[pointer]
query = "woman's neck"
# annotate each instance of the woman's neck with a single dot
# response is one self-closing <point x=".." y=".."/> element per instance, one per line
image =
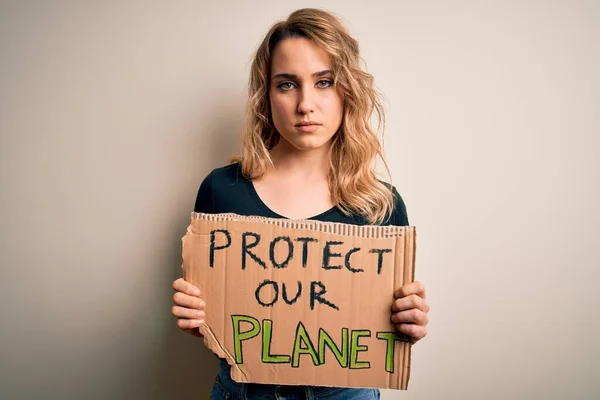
<point x="302" y="163"/>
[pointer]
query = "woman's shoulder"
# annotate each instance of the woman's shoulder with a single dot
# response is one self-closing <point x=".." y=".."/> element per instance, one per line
<point x="225" y="181"/>
<point x="399" y="215"/>
<point x="225" y="175"/>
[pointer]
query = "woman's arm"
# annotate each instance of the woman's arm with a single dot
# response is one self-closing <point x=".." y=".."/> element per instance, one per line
<point x="410" y="308"/>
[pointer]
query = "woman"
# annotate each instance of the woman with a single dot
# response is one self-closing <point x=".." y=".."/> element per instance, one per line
<point x="307" y="153"/>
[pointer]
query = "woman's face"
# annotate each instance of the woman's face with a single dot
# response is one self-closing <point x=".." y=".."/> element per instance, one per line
<point x="301" y="90"/>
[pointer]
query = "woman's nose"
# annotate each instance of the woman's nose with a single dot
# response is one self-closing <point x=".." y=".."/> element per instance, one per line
<point x="306" y="101"/>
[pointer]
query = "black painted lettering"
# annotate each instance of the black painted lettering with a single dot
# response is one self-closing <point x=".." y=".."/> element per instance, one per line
<point x="285" y="296"/>
<point x="214" y="247"/>
<point x="347" y="260"/>
<point x="275" y="293"/>
<point x="290" y="251"/>
<point x="305" y="241"/>
<point x="327" y="254"/>
<point x="246" y="249"/>
<point x="317" y="289"/>
<point x="380" y="253"/>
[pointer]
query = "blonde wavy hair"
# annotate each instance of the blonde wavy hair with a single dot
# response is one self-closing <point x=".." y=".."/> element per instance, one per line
<point x="352" y="181"/>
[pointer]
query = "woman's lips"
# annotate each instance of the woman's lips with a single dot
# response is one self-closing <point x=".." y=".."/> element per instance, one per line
<point x="307" y="128"/>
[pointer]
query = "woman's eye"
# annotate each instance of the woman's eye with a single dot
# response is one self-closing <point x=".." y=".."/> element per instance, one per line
<point x="290" y="85"/>
<point x="285" y="85"/>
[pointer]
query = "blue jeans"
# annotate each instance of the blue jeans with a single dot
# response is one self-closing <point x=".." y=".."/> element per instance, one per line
<point x="224" y="388"/>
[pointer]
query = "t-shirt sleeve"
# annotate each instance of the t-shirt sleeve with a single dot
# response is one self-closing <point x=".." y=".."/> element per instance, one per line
<point x="204" y="199"/>
<point x="399" y="215"/>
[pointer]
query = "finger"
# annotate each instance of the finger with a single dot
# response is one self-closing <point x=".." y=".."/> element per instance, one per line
<point x="408" y="302"/>
<point x="414" y="316"/>
<point x="182" y="286"/>
<point x="182" y="312"/>
<point x="415" y="287"/>
<point x="184" y="300"/>
<point x="185" y="324"/>
<point x="416" y="332"/>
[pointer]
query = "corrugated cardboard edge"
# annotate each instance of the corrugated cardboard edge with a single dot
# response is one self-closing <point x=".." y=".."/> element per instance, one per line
<point x="337" y="228"/>
<point x="410" y="253"/>
<point x="213" y="344"/>
<point x="363" y="231"/>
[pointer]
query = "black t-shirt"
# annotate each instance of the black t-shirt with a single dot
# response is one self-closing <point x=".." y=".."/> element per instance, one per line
<point x="226" y="190"/>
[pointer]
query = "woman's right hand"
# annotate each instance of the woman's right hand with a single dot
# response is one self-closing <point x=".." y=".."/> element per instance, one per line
<point x="188" y="308"/>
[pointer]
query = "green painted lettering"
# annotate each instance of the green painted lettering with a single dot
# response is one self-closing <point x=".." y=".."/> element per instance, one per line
<point x="355" y="348"/>
<point x="340" y="354"/>
<point x="239" y="336"/>
<point x="302" y="337"/>
<point x="267" y="330"/>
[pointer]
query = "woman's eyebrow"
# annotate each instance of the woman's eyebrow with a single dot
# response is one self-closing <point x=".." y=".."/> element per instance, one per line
<point x="287" y="75"/>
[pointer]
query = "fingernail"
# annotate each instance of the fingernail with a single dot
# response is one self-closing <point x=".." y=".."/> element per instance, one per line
<point x="200" y="313"/>
<point x="196" y="292"/>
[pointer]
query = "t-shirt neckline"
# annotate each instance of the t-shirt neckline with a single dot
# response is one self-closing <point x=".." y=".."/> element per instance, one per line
<point x="272" y="214"/>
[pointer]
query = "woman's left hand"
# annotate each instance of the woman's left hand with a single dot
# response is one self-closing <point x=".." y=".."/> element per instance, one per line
<point x="409" y="311"/>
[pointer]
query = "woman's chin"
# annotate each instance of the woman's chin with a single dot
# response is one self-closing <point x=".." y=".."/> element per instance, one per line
<point x="308" y="142"/>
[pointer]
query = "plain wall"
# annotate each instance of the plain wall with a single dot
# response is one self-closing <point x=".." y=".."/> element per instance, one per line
<point x="111" y="114"/>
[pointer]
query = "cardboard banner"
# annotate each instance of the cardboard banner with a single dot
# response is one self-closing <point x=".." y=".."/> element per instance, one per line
<point x="302" y="302"/>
